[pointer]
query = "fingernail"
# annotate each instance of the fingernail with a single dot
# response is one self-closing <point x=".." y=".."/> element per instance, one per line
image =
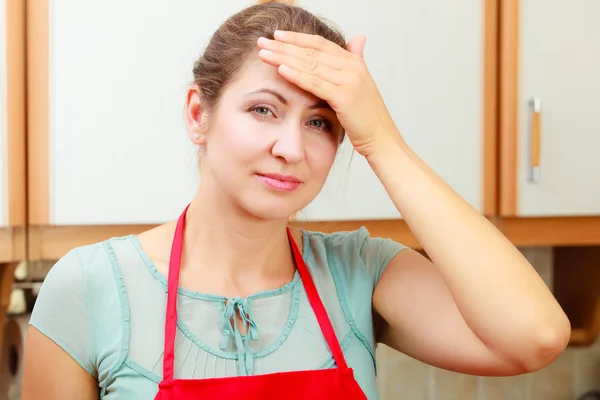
<point x="279" y="33"/>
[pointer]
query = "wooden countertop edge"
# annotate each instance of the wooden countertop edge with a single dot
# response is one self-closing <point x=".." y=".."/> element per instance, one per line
<point x="12" y="245"/>
<point x="552" y="231"/>
<point x="52" y="242"/>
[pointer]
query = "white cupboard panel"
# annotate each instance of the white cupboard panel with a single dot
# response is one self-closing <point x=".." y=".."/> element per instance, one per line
<point x="3" y="120"/>
<point x="559" y="62"/>
<point x="119" y="71"/>
<point x="118" y="75"/>
<point x="427" y="58"/>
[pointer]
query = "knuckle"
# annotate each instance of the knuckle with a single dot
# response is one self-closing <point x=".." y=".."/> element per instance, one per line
<point x="321" y="41"/>
<point x="315" y="82"/>
<point x="311" y="64"/>
<point x="311" y="53"/>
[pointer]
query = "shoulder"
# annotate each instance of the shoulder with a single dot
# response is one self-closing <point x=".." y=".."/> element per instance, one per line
<point x="337" y="238"/>
<point x="70" y="307"/>
<point x="88" y="265"/>
<point x="354" y="249"/>
<point x="85" y="276"/>
<point x="97" y="255"/>
<point x="358" y="241"/>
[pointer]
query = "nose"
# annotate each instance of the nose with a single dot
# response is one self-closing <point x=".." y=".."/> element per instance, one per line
<point x="289" y="145"/>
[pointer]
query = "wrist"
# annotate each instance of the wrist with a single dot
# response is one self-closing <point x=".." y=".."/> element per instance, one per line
<point x="386" y="150"/>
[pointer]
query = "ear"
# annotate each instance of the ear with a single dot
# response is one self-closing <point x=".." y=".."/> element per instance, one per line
<point x="195" y="115"/>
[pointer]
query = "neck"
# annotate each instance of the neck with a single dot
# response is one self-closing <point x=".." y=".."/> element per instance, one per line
<point x="231" y="245"/>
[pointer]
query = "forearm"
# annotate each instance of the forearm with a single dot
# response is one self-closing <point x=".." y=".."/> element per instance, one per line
<point x="500" y="296"/>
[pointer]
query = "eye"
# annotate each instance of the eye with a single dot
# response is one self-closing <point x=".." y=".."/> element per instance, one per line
<point x="262" y="112"/>
<point x="320" y="123"/>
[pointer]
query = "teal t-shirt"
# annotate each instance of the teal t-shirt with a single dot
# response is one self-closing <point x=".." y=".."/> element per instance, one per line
<point x="105" y="305"/>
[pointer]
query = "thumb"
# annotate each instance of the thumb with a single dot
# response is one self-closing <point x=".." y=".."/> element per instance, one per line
<point x="356" y="45"/>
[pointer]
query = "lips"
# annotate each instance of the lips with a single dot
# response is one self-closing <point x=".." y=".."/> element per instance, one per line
<point x="280" y="182"/>
<point x="283" y="178"/>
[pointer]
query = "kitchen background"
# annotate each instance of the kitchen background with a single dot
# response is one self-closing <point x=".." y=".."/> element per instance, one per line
<point x="500" y="97"/>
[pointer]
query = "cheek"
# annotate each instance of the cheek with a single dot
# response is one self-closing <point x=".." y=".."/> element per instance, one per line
<point x="320" y="154"/>
<point x="237" y="140"/>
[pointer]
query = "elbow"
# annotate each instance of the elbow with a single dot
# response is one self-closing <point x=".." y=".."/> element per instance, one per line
<point x="546" y="346"/>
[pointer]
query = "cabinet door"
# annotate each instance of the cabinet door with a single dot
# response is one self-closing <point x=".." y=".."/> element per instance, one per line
<point x="12" y="131"/>
<point x="558" y="64"/>
<point x="427" y="58"/>
<point x="3" y="119"/>
<point x="117" y="76"/>
<point x="117" y="73"/>
<point x="12" y="114"/>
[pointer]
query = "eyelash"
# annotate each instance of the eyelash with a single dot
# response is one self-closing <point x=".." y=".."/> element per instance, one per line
<point x="326" y="124"/>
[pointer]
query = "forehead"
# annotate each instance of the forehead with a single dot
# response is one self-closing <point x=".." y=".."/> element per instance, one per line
<point x="256" y="74"/>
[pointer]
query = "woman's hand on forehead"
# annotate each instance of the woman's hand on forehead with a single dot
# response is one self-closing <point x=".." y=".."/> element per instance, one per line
<point x="340" y="77"/>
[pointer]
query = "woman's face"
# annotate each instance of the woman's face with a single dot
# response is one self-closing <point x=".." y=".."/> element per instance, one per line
<point x="269" y="145"/>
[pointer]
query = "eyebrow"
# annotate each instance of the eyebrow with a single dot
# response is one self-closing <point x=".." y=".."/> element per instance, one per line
<point x="321" y="104"/>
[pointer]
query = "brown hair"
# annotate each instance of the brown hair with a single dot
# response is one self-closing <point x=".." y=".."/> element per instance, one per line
<point x="234" y="42"/>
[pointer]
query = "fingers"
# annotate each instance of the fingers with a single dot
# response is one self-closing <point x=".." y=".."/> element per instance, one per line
<point x="311" y="83"/>
<point x="306" y="65"/>
<point x="356" y="45"/>
<point x="312" y="62"/>
<point x="312" y="41"/>
<point x="306" y="53"/>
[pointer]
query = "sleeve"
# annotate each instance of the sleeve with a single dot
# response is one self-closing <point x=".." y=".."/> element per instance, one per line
<point x="376" y="253"/>
<point x="62" y="313"/>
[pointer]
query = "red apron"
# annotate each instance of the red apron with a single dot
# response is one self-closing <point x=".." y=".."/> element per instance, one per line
<point x="332" y="383"/>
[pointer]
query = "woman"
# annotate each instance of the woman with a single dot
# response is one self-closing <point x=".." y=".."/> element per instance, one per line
<point x="274" y="94"/>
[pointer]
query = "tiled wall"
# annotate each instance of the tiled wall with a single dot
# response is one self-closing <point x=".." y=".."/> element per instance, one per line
<point x="574" y="373"/>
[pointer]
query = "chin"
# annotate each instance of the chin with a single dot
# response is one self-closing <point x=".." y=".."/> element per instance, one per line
<point x="267" y="208"/>
<point x="271" y="212"/>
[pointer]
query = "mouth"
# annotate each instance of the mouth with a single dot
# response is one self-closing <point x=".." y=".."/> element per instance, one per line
<point x="285" y="183"/>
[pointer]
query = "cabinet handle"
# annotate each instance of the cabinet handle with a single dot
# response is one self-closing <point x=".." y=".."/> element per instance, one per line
<point x="536" y="108"/>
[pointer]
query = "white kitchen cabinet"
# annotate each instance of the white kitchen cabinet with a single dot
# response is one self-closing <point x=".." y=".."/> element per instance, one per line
<point x="118" y="72"/>
<point x="428" y="59"/>
<point x="558" y="64"/>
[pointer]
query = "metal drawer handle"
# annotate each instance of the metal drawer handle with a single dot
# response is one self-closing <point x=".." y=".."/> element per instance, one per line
<point x="536" y="108"/>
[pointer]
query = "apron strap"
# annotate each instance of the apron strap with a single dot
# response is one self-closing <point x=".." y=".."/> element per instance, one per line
<point x="317" y="306"/>
<point x="173" y="282"/>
